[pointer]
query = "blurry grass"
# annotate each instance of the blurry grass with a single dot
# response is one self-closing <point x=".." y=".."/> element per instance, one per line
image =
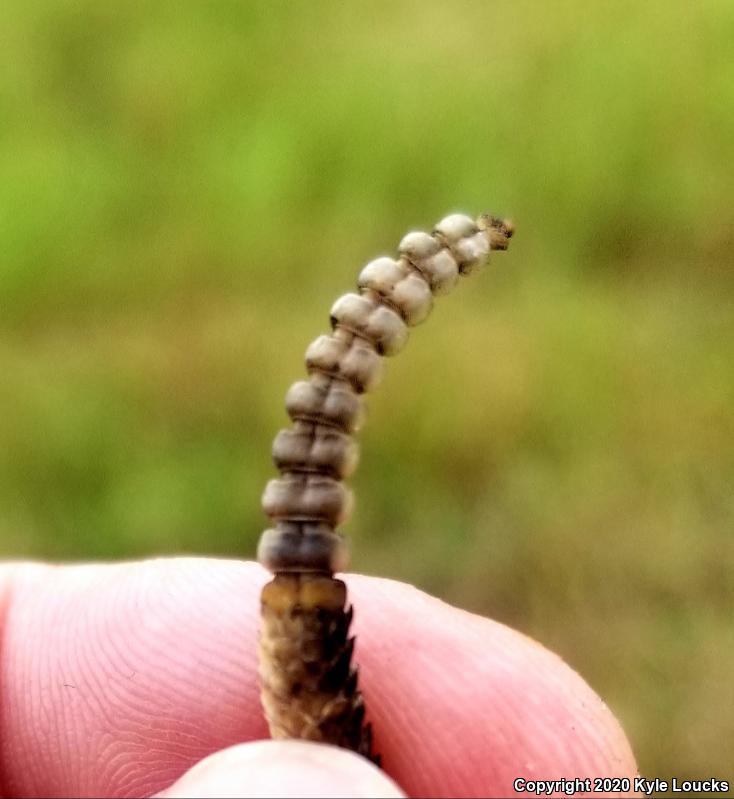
<point x="184" y="190"/>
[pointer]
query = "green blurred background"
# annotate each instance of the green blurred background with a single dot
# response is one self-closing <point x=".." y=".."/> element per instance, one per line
<point x="186" y="187"/>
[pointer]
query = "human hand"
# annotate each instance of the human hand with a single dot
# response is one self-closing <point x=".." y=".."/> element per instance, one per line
<point x="117" y="679"/>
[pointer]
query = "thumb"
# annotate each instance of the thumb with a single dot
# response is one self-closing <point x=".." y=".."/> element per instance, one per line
<point x="283" y="769"/>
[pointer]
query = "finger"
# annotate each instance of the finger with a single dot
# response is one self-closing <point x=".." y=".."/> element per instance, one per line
<point x="465" y="706"/>
<point x="283" y="769"/>
<point x="119" y="678"/>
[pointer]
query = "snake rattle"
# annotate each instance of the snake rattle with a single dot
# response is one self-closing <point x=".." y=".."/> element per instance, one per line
<point x="309" y="684"/>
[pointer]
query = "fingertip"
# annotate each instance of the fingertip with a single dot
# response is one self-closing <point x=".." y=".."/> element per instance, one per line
<point x="460" y="705"/>
<point x="283" y="769"/>
<point x="466" y="705"/>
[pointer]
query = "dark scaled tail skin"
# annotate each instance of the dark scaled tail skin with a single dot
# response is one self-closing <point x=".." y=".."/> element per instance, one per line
<point x="309" y="686"/>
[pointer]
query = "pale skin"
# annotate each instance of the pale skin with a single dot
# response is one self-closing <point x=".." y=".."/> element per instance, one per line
<point x="136" y="679"/>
